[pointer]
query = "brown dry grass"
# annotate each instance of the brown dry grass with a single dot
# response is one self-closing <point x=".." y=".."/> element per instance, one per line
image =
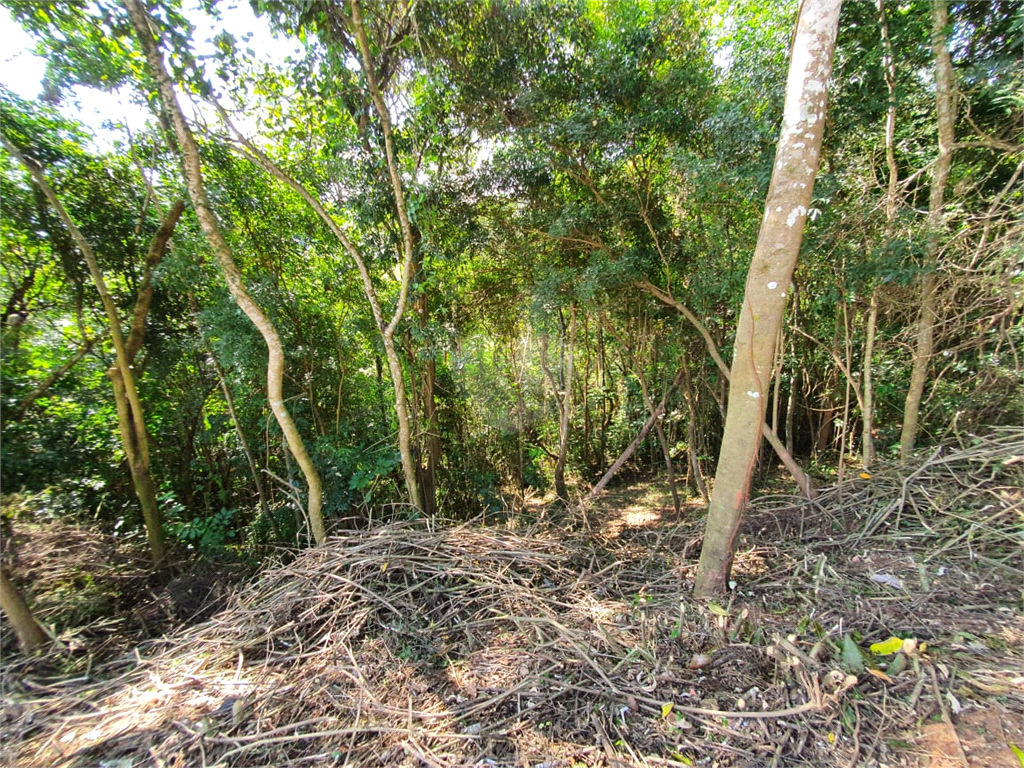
<point x="573" y="641"/>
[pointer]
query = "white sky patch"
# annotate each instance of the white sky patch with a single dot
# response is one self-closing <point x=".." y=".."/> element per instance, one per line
<point x="107" y="113"/>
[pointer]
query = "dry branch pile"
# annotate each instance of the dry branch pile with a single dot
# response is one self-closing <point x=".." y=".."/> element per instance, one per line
<point x="462" y="645"/>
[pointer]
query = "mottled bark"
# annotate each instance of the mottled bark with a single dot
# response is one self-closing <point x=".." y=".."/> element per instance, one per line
<point x="768" y="281"/>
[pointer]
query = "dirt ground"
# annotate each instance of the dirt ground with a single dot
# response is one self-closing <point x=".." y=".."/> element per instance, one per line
<point x="568" y="637"/>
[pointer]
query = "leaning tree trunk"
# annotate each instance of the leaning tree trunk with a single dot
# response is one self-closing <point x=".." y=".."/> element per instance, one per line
<point x="131" y="423"/>
<point x="28" y="631"/>
<point x="936" y="202"/>
<point x="768" y="279"/>
<point x="211" y="228"/>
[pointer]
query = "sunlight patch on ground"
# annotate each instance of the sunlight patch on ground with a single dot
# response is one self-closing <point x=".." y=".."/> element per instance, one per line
<point x="633" y="509"/>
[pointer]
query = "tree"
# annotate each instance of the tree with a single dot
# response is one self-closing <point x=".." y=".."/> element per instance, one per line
<point x="945" y="117"/>
<point x="192" y="167"/>
<point x="768" y="281"/>
<point x="30" y="634"/>
<point x="131" y="421"/>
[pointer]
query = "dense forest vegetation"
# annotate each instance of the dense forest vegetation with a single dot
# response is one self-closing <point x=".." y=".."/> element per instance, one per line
<point x="452" y="255"/>
<point x="481" y="242"/>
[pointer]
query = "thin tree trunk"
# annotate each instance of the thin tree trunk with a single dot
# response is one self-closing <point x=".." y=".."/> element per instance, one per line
<point x="768" y="279"/>
<point x="132" y="425"/>
<point x="253" y="468"/>
<point x="868" y="406"/>
<point x="868" y="411"/>
<point x="666" y="452"/>
<point x="637" y="441"/>
<point x="517" y="387"/>
<point x="386" y="329"/>
<point x="26" y="402"/>
<point x="936" y="203"/>
<point x="28" y="631"/>
<point x="691" y="431"/>
<point x="630" y="360"/>
<point x="791" y="411"/>
<point x="798" y="474"/>
<point x="428" y="385"/>
<point x="211" y="228"/>
<point x="565" y="404"/>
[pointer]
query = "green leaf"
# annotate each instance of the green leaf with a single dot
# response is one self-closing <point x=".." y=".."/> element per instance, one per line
<point x="853" y="657"/>
<point x="1018" y="752"/>
<point x="718" y="610"/>
<point x="887" y="647"/>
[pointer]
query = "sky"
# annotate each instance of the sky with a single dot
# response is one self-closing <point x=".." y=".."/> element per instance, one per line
<point x="22" y="71"/>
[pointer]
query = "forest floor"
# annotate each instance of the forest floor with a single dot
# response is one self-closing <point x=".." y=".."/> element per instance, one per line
<point x="569" y="638"/>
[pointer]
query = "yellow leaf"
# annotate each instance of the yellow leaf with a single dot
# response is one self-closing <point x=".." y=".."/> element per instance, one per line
<point x="717" y="609"/>
<point x="880" y="675"/>
<point x="666" y="709"/>
<point x="865" y="475"/>
<point x="831" y="738"/>
<point x="887" y="647"/>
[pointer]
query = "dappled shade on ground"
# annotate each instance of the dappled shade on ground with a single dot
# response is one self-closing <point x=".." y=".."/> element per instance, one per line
<point x="573" y="641"/>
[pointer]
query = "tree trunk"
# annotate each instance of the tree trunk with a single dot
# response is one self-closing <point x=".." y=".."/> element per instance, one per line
<point x="211" y="228"/>
<point x="428" y="400"/>
<point x="868" y="411"/>
<point x="28" y="631"/>
<point x="666" y="452"/>
<point x="936" y="202"/>
<point x="132" y="425"/>
<point x="889" y="70"/>
<point x="768" y="279"/>
<point x="565" y="412"/>
<point x="784" y="455"/>
<point x="691" y="432"/>
<point x="637" y="441"/>
<point x="257" y="478"/>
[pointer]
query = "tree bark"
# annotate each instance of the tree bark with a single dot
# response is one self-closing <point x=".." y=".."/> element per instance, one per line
<point x="768" y="280"/>
<point x="28" y="631"/>
<point x="637" y="441"/>
<point x="192" y="168"/>
<point x="936" y="202"/>
<point x="132" y="425"/>
<point x="770" y="435"/>
<point x="564" y="401"/>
